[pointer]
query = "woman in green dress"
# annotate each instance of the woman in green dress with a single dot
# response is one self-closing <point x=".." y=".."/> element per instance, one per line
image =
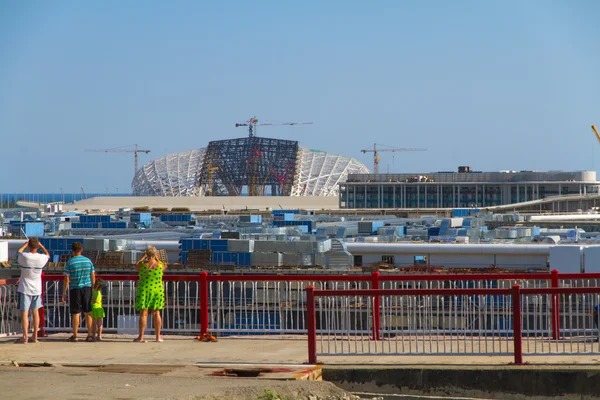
<point x="150" y="293"/>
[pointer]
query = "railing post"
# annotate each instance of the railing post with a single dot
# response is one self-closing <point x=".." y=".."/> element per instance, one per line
<point x="376" y="307"/>
<point x="203" y="303"/>
<point x="555" y="308"/>
<point x="517" y="328"/>
<point x="311" y="324"/>
<point x="42" y="312"/>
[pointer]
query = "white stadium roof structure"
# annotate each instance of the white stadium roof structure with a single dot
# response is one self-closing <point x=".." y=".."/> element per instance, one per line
<point x="316" y="173"/>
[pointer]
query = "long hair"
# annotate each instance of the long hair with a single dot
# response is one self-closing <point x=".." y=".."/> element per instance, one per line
<point x="98" y="284"/>
<point x="151" y="252"/>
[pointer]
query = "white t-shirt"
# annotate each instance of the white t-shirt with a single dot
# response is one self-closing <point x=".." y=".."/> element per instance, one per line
<point x="31" y="273"/>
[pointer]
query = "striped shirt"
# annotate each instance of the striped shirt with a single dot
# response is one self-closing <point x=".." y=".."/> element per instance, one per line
<point x="79" y="269"/>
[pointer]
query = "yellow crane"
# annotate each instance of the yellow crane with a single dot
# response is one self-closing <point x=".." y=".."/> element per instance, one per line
<point x="211" y="180"/>
<point x="596" y="132"/>
<point x="376" y="151"/>
<point x="123" y="150"/>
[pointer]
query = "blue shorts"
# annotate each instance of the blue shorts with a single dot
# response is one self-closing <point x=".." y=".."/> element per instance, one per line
<point x="26" y="302"/>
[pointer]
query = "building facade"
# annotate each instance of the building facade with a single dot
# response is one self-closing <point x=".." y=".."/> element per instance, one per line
<point x="461" y="189"/>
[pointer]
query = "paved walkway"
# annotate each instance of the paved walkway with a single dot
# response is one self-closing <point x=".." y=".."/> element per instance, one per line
<point x="285" y="350"/>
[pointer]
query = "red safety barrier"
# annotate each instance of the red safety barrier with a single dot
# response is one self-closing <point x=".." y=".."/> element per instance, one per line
<point x="516" y="292"/>
<point x="375" y="280"/>
<point x="311" y="325"/>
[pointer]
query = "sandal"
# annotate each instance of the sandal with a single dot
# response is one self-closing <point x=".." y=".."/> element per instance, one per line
<point x="73" y="338"/>
<point x="138" y="340"/>
<point x="21" y="341"/>
<point x="89" y="339"/>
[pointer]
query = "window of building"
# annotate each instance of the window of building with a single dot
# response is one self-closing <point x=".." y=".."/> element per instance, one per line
<point x="387" y="259"/>
<point x="420" y="260"/>
<point x="358" y="261"/>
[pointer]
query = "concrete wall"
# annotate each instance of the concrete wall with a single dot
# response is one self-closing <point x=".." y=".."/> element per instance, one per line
<point x="496" y="382"/>
<point x="206" y="203"/>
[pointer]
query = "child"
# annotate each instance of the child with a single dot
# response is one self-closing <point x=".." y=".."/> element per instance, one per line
<point x="97" y="310"/>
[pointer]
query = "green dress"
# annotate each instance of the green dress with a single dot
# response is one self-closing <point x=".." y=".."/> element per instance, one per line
<point x="97" y="310"/>
<point x="150" y="292"/>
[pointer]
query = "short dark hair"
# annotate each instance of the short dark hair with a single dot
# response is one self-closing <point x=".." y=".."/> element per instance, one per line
<point x="34" y="243"/>
<point x="77" y="247"/>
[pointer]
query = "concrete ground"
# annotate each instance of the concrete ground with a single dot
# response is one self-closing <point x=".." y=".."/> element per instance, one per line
<point x="281" y="350"/>
<point x="184" y="368"/>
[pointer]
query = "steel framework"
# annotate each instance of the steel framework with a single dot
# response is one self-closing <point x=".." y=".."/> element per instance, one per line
<point x="172" y="175"/>
<point x="319" y="172"/>
<point x="254" y="166"/>
<point x="247" y="166"/>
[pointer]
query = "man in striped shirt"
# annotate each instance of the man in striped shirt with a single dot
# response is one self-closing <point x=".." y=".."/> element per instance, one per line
<point x="79" y="278"/>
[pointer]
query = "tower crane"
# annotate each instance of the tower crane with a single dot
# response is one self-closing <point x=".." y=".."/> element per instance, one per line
<point x="252" y="123"/>
<point x="122" y="150"/>
<point x="376" y="151"/>
<point x="596" y="132"/>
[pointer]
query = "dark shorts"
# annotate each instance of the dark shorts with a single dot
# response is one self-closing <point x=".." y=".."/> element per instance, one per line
<point x="80" y="300"/>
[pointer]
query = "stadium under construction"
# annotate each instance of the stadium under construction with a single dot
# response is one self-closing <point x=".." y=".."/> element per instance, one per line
<point x="247" y="166"/>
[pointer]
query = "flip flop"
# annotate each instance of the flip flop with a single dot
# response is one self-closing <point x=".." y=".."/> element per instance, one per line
<point x="138" y="340"/>
<point x="89" y="339"/>
<point x="21" y="341"/>
<point x="34" y="341"/>
<point x="73" y="338"/>
<point x="160" y="340"/>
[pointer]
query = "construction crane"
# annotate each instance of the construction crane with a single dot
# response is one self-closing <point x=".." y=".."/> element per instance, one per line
<point x="596" y="132"/>
<point x="211" y="180"/>
<point x="122" y="150"/>
<point x="252" y="123"/>
<point x="376" y="151"/>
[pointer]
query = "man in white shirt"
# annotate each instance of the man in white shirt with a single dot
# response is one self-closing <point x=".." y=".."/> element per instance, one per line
<point x="29" y="291"/>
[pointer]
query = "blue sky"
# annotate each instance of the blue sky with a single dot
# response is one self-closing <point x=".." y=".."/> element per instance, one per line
<point x="491" y="84"/>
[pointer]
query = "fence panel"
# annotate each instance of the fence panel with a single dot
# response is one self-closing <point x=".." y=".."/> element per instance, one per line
<point x="10" y="317"/>
<point x="578" y="324"/>
<point x="415" y="324"/>
<point x="256" y="306"/>
<point x="180" y="315"/>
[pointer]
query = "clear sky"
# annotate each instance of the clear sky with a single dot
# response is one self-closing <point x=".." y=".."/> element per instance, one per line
<point x="492" y="84"/>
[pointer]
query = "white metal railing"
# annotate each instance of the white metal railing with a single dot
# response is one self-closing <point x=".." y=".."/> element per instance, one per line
<point x="179" y="316"/>
<point x="264" y="307"/>
<point x="10" y="317"/>
<point x="416" y="325"/>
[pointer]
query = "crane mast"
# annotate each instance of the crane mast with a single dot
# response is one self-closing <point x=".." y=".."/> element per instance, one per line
<point x="121" y="150"/>
<point x="255" y="153"/>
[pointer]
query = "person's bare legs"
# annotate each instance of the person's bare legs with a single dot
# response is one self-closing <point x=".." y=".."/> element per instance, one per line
<point x="88" y="324"/>
<point x="142" y="325"/>
<point x="36" y="324"/>
<point x="92" y="330"/>
<point x="98" y="323"/>
<point x="25" y="324"/>
<point x="156" y="318"/>
<point x="75" y="324"/>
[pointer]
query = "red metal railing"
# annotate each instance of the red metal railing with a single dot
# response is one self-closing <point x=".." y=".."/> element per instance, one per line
<point x="375" y="280"/>
<point x="516" y="292"/>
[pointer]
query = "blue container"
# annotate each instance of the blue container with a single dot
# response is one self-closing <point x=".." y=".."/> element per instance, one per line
<point x="244" y="259"/>
<point x="281" y="212"/>
<point x="460" y="212"/>
<point x="433" y="231"/>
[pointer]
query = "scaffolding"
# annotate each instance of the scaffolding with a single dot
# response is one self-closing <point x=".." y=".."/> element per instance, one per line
<point x="253" y="166"/>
